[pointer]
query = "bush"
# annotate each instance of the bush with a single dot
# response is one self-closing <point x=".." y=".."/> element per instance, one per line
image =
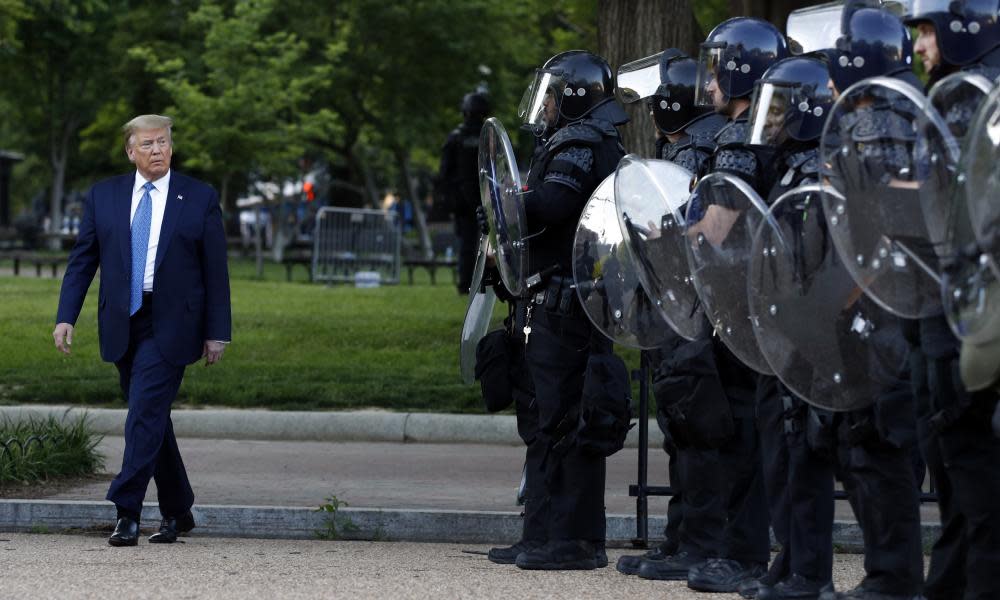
<point x="36" y="450"/>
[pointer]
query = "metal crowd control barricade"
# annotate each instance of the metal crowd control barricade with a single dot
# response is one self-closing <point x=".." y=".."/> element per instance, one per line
<point x="348" y="241"/>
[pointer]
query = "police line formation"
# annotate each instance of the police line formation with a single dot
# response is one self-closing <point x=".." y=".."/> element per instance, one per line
<point x="809" y="266"/>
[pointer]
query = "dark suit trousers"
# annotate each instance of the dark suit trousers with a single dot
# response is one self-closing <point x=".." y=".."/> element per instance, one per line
<point x="150" y="384"/>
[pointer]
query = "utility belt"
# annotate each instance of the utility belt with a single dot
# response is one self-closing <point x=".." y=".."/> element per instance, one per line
<point x="555" y="293"/>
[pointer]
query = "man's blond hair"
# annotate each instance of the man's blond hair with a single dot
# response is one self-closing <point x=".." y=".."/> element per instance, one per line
<point x="146" y="122"/>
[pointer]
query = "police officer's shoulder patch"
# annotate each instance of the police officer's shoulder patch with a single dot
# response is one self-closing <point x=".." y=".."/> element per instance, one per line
<point x="883" y="124"/>
<point x="577" y="134"/>
<point x="735" y="132"/>
<point x="570" y="166"/>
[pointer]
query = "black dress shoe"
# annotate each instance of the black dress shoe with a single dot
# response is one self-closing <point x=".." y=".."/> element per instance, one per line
<point x="560" y="555"/>
<point x="126" y="533"/>
<point x="171" y="528"/>
<point x="723" y="575"/>
<point x="507" y="556"/>
<point x="629" y="564"/>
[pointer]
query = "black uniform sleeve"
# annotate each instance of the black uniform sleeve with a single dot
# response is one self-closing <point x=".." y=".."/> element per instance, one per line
<point x="554" y="203"/>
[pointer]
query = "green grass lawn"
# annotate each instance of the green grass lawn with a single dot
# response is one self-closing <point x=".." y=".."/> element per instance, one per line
<point x="295" y="346"/>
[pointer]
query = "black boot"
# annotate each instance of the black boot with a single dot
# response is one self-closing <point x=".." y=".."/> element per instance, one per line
<point x="723" y="575"/>
<point x="560" y="555"/>
<point x="673" y="568"/>
<point x="508" y="555"/>
<point x="600" y="554"/>
<point x="629" y="564"/>
<point x="860" y="593"/>
<point x="796" y="586"/>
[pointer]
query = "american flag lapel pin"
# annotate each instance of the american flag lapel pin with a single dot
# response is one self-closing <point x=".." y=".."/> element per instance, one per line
<point x="180" y="197"/>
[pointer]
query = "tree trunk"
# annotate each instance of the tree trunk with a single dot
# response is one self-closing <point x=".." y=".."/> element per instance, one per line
<point x="410" y="189"/>
<point x="628" y="30"/>
<point x="60" y="158"/>
<point x="58" y="191"/>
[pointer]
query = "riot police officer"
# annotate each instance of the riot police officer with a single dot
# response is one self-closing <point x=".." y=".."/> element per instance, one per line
<point x="571" y="105"/>
<point x="791" y="102"/>
<point x="961" y="451"/>
<point x="685" y="136"/>
<point x="873" y="447"/>
<point x="729" y="498"/>
<point x="459" y="175"/>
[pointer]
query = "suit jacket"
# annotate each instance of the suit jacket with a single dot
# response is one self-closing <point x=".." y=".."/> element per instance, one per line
<point x="190" y="277"/>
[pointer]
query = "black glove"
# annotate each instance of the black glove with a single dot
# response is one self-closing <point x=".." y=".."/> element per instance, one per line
<point x="484" y="222"/>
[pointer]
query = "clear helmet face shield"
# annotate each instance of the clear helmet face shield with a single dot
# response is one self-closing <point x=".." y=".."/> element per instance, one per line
<point x="541" y="103"/>
<point x="770" y="112"/>
<point x="639" y="79"/>
<point x="815" y="27"/>
<point x="709" y="65"/>
<point x="780" y="110"/>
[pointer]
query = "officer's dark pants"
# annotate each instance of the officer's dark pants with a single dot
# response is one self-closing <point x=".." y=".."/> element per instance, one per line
<point x="675" y="506"/>
<point x="467" y="230"/>
<point x="879" y="481"/>
<point x="799" y="485"/>
<point x="695" y="470"/>
<point x="963" y="457"/>
<point x="533" y="526"/>
<point x="557" y="351"/>
<point x="746" y="535"/>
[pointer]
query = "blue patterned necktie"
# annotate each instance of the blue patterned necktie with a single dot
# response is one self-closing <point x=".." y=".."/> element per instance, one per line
<point x="141" y="223"/>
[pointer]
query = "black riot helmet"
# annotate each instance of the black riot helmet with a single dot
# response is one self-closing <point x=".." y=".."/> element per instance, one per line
<point x="567" y="88"/>
<point x="790" y="102"/>
<point x="475" y="106"/>
<point x="667" y="81"/>
<point x="673" y="104"/>
<point x="735" y="55"/>
<point x="966" y="29"/>
<point x="872" y="42"/>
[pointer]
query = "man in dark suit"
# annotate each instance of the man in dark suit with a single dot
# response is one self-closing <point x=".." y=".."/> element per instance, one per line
<point x="158" y="239"/>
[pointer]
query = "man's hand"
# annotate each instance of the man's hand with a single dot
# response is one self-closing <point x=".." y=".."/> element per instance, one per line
<point x="63" y="336"/>
<point x="213" y="352"/>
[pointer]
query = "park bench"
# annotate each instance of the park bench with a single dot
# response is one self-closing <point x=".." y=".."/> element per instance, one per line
<point x="39" y="260"/>
<point x="431" y="265"/>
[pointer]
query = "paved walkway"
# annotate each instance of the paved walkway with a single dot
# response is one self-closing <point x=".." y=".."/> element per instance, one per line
<point x="58" y="566"/>
<point x="378" y="475"/>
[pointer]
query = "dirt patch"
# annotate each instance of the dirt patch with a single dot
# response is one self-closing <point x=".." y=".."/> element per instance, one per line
<point x="44" y="489"/>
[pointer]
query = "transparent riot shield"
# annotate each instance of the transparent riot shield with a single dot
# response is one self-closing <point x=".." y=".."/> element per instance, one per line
<point x="722" y="215"/>
<point x="982" y="177"/>
<point x="650" y="197"/>
<point x="821" y="335"/>
<point x="889" y="160"/>
<point x="500" y="190"/>
<point x="477" y="316"/>
<point x="607" y="280"/>
<point x="969" y="285"/>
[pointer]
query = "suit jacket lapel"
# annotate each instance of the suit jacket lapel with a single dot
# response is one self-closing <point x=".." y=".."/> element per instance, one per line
<point x="123" y="217"/>
<point x="172" y="211"/>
